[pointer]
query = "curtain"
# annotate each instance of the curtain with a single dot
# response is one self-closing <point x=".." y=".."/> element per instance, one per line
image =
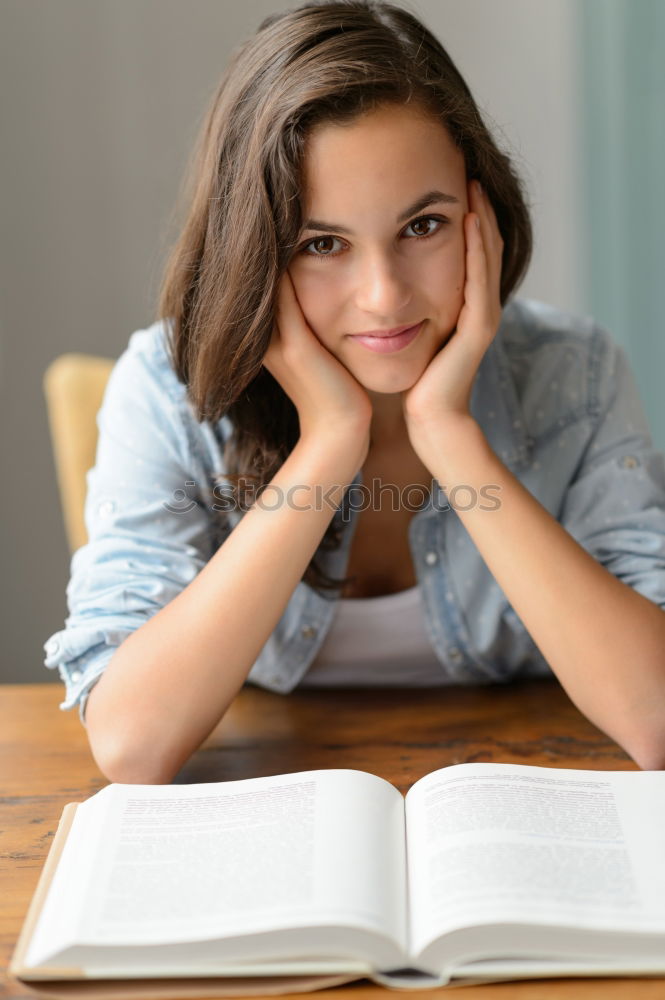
<point x="622" y="155"/>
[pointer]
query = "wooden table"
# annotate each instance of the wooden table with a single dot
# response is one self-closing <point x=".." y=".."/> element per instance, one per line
<point x="398" y="734"/>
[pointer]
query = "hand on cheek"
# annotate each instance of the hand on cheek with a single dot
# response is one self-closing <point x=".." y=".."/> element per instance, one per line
<point x="444" y="389"/>
<point x="322" y="389"/>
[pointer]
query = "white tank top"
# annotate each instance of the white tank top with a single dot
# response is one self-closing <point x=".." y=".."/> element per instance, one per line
<point x="377" y="642"/>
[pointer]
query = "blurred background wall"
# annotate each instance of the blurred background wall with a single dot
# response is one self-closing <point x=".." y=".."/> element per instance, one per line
<point x="99" y="106"/>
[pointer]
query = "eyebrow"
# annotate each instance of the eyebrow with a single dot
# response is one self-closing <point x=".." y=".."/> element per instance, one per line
<point x="429" y="198"/>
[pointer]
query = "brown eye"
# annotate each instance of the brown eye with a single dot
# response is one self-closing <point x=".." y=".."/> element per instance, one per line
<point x="322" y="240"/>
<point x="424" y="220"/>
<point x="420" y="222"/>
<point x="319" y="245"/>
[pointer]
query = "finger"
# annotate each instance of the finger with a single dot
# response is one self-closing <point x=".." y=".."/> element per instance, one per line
<point x="491" y="235"/>
<point x="285" y="317"/>
<point x="270" y="358"/>
<point x="476" y="288"/>
<point x="280" y="311"/>
<point x="292" y="323"/>
<point x="283" y="296"/>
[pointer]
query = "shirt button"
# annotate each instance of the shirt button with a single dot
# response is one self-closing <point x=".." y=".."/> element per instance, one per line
<point x="629" y="461"/>
<point x="75" y="675"/>
<point x="455" y="654"/>
<point x="430" y="558"/>
<point x="106" y="508"/>
<point x="308" y="631"/>
<point x="52" y="647"/>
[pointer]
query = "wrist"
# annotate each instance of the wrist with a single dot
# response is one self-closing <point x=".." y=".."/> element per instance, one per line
<point x="341" y="449"/>
<point x="449" y="442"/>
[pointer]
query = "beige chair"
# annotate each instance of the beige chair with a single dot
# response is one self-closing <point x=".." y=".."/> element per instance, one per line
<point x="74" y="388"/>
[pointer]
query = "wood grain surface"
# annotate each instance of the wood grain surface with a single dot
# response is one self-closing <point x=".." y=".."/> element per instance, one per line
<point x="400" y="735"/>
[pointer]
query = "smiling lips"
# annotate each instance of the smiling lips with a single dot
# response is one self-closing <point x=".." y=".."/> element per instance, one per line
<point x="388" y="341"/>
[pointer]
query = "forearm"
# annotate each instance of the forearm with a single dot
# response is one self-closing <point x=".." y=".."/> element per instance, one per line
<point x="603" y="640"/>
<point x="172" y="680"/>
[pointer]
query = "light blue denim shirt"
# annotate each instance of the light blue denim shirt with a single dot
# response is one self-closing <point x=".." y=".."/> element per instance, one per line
<point x="557" y="401"/>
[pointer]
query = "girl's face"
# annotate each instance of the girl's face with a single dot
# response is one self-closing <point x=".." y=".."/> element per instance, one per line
<point x="383" y="241"/>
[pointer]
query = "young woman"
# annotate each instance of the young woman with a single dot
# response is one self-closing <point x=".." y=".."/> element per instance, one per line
<point x="344" y="453"/>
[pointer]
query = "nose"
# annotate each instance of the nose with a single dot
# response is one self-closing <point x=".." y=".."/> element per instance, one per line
<point x="383" y="288"/>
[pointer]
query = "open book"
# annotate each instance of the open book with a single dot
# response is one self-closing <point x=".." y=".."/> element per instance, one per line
<point x="482" y="872"/>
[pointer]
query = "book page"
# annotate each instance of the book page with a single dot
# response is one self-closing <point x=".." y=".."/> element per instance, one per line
<point x="155" y="863"/>
<point x="504" y="842"/>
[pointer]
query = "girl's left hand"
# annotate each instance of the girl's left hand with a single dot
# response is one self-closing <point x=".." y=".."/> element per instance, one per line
<point x="442" y="393"/>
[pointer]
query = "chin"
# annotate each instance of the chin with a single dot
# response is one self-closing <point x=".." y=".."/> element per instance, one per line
<point x="390" y="383"/>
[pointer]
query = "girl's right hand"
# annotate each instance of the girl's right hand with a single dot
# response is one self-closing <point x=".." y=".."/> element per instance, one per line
<point x="326" y="395"/>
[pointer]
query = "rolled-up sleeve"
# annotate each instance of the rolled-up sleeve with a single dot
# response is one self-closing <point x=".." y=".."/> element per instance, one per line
<point x="615" y="507"/>
<point x="149" y="532"/>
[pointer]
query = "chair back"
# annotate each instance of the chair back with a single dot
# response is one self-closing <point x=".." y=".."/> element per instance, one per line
<point x="74" y="387"/>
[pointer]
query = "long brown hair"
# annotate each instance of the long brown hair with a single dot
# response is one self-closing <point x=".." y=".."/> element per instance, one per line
<point x="323" y="62"/>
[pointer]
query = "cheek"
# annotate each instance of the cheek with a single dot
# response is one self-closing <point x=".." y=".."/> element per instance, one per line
<point x="446" y="274"/>
<point x="318" y="300"/>
<point x="456" y="262"/>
